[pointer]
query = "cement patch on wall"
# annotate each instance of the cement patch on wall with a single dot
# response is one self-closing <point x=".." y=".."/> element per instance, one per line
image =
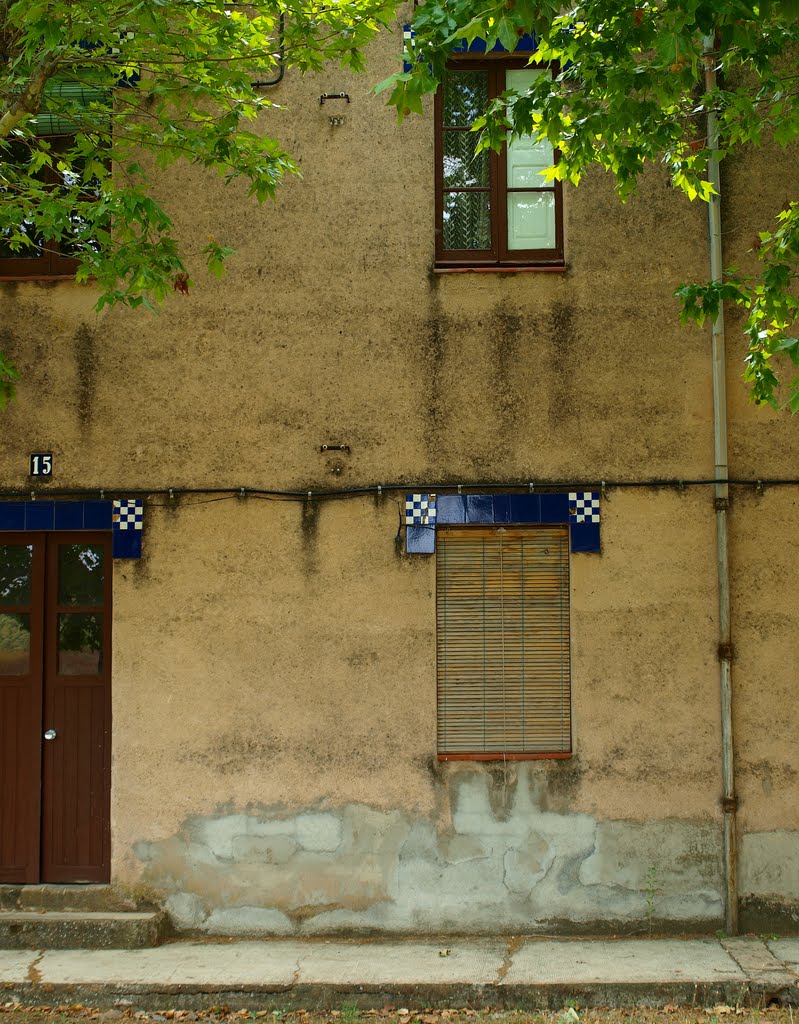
<point x="496" y="861"/>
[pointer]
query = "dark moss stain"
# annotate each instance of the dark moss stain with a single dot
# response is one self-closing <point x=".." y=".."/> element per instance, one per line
<point x="502" y="782"/>
<point x="309" y="525"/>
<point x="433" y="352"/>
<point x="561" y="363"/>
<point x="505" y="357"/>
<point x="769" y="915"/>
<point x="86" y="365"/>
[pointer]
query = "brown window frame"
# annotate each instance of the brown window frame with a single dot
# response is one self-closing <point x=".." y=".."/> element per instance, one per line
<point x="499" y="255"/>
<point x="457" y="605"/>
<point x="51" y="262"/>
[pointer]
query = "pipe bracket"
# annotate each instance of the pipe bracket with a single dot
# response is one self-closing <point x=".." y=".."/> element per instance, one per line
<point x="721" y="504"/>
<point x="729" y="804"/>
<point x="726" y="652"/>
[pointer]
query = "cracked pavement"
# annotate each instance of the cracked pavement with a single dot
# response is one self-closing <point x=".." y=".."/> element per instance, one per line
<point x="480" y="971"/>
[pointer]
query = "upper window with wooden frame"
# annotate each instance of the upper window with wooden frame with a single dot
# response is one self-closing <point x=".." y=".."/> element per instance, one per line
<point x="26" y="249"/>
<point x="503" y="642"/>
<point x="492" y="209"/>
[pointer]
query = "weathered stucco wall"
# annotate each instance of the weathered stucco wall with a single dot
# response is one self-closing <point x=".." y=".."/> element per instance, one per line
<point x="274" y="662"/>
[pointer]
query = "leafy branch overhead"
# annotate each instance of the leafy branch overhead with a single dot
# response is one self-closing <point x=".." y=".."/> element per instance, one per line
<point x="629" y="90"/>
<point x="138" y="85"/>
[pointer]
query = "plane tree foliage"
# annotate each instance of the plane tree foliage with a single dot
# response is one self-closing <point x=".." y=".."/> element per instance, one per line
<point x="172" y="80"/>
<point x="136" y="86"/>
<point x="631" y="88"/>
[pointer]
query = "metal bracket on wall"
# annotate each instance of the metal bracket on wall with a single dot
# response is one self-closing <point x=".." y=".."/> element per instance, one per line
<point x="726" y="652"/>
<point x="333" y="96"/>
<point x="720" y="504"/>
<point x="334" y="448"/>
<point x="729" y="804"/>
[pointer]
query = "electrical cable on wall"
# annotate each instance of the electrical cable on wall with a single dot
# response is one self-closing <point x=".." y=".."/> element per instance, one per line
<point x="31" y="494"/>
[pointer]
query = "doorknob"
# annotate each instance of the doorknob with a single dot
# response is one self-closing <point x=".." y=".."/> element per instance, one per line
<point x="50" y="734"/>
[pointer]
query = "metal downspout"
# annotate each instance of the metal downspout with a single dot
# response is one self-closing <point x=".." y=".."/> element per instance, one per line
<point x="728" y="800"/>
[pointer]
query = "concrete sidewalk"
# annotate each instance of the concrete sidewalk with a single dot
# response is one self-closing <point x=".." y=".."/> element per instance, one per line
<point x="500" y="973"/>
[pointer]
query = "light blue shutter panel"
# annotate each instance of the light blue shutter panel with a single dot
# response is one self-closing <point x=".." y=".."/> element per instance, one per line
<point x="531" y="215"/>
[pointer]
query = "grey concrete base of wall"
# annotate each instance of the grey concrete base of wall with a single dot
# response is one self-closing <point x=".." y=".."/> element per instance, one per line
<point x="505" y="862"/>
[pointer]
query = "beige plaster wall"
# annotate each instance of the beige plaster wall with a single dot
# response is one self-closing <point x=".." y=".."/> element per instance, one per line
<point x="275" y="660"/>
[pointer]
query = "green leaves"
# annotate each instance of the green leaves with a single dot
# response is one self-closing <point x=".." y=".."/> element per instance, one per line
<point x="630" y="91"/>
<point x="9" y="376"/>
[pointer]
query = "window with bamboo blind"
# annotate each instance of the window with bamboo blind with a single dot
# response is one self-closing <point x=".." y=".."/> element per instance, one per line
<point x="502" y="611"/>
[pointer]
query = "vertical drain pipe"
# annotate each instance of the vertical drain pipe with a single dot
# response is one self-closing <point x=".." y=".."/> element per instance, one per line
<point x="722" y="503"/>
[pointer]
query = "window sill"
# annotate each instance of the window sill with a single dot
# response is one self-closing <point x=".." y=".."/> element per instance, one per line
<point x="560" y="268"/>
<point x="36" y="277"/>
<point x="504" y="757"/>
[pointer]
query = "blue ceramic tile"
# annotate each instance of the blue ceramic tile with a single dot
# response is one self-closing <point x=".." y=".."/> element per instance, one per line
<point x="480" y="508"/>
<point x="12" y="515"/>
<point x="69" y="515"/>
<point x="419" y="540"/>
<point x="585" y="537"/>
<point x="39" y="515"/>
<point x="451" y="508"/>
<point x="97" y="515"/>
<point x="501" y="508"/>
<point x="525" y="508"/>
<point x="554" y="508"/>
<point x="126" y="544"/>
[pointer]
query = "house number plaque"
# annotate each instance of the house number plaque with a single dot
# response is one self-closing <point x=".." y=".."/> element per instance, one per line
<point x="41" y="464"/>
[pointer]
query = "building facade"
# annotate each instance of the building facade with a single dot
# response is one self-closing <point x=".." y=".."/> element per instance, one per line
<point x="229" y="601"/>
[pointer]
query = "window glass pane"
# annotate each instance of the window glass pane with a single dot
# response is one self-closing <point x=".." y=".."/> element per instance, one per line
<point x="15" y="645"/>
<point x="16" y="564"/>
<point x="80" y="574"/>
<point x="462" y="167"/>
<point x="464" y="96"/>
<point x="467" y="220"/>
<point x="526" y="161"/>
<point x="80" y="644"/>
<point x="531" y="220"/>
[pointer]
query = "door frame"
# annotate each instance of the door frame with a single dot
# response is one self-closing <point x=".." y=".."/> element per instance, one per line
<point x="41" y="814"/>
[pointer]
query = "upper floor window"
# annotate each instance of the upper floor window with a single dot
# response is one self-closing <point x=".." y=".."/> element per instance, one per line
<point x="43" y="256"/>
<point x="492" y="208"/>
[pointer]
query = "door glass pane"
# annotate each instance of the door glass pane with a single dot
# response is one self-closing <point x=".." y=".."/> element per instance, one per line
<point x="462" y="167"/>
<point x="15" y="645"/>
<point x="464" y="97"/>
<point x="467" y="220"/>
<point x="80" y="644"/>
<point x="80" y="574"/>
<point x="531" y="220"/>
<point x="16" y="563"/>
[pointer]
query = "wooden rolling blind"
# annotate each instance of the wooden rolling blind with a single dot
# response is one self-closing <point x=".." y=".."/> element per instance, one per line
<point x="503" y="640"/>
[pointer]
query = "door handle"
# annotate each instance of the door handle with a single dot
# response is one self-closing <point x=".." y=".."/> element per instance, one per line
<point x="50" y="734"/>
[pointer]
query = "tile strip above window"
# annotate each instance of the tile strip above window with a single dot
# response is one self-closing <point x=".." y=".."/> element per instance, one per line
<point x="580" y="510"/>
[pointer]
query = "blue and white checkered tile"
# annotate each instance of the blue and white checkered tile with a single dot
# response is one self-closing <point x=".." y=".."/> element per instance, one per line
<point x="584" y="506"/>
<point x="408" y="36"/>
<point x="128" y="514"/>
<point x="420" y="509"/>
<point x="127" y="523"/>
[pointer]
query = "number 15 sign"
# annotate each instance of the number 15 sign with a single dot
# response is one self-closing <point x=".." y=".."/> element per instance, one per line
<point x="42" y="464"/>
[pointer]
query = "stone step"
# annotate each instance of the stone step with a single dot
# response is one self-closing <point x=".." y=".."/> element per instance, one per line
<point x="58" y="929"/>
<point x="87" y="898"/>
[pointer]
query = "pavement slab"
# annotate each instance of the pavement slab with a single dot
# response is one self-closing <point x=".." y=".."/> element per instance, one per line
<point x="213" y="966"/>
<point x="621" y="962"/>
<point x="15" y="965"/>
<point x="786" y="950"/>
<point x="402" y="963"/>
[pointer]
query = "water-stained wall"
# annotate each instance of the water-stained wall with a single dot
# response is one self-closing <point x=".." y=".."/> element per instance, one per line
<point x="274" y="742"/>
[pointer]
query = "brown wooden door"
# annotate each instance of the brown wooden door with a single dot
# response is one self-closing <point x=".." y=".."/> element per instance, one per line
<point x="55" y="711"/>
